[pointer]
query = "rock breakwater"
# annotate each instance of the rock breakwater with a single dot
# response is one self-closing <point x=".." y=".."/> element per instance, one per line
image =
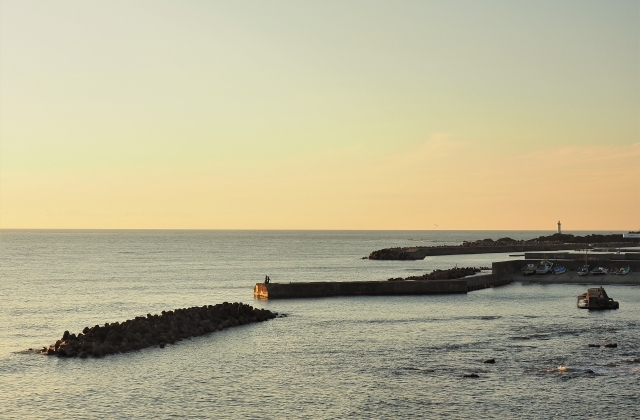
<point x="450" y="274"/>
<point x="555" y="242"/>
<point x="167" y="328"/>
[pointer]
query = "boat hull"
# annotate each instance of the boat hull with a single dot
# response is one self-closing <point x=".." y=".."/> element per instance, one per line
<point x="529" y="269"/>
<point x="596" y="299"/>
<point x="544" y="267"/>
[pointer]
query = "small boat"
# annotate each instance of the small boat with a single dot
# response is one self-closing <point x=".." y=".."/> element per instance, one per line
<point x="558" y="269"/>
<point x="597" y="271"/>
<point x="584" y="270"/>
<point x="529" y="269"/>
<point x="620" y="271"/>
<point x="596" y="298"/>
<point x="544" y="267"/>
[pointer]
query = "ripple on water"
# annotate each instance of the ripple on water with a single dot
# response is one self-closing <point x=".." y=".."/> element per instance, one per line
<point x="365" y="357"/>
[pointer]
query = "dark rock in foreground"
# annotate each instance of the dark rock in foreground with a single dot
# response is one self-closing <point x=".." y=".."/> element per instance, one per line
<point x="141" y="332"/>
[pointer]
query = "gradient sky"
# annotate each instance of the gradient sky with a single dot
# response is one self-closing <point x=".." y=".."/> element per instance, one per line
<point x="320" y="115"/>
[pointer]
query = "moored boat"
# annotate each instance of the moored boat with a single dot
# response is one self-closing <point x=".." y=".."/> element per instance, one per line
<point x="596" y="298"/>
<point x="528" y="269"/>
<point x="544" y="267"/>
<point x="597" y="271"/>
<point x="558" y="269"/>
<point x="584" y="270"/>
<point x="624" y="270"/>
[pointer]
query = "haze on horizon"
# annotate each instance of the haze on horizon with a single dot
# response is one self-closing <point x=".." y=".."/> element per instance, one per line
<point x="320" y="115"/>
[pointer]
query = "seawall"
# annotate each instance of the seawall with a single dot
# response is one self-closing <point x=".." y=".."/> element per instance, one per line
<point x="486" y="281"/>
<point x="357" y="288"/>
<point x="623" y="256"/>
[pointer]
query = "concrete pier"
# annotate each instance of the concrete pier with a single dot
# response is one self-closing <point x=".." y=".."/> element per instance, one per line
<point x="357" y="288"/>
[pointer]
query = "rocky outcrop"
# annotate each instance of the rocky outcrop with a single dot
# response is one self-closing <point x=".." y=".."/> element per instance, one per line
<point x="450" y="274"/>
<point x="412" y="253"/>
<point x="152" y="330"/>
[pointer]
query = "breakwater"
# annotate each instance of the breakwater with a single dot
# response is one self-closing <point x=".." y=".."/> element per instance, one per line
<point x="167" y="328"/>
<point x="487" y="281"/>
<point x="356" y="288"/>
<point x="420" y="252"/>
<point x="622" y="256"/>
<point x="453" y="280"/>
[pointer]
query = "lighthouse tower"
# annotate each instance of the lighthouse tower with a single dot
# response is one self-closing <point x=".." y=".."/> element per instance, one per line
<point x="559" y="227"/>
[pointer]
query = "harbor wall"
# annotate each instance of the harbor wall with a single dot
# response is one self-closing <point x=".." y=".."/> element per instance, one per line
<point x="357" y="288"/>
<point x="567" y="256"/>
<point x="503" y="269"/>
<point x="485" y="281"/>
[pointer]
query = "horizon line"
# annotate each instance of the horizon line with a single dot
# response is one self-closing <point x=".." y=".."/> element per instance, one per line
<point x="305" y="230"/>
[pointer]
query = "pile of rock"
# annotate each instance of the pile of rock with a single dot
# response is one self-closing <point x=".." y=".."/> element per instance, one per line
<point x="141" y="332"/>
<point x="450" y="274"/>
<point x="393" y="254"/>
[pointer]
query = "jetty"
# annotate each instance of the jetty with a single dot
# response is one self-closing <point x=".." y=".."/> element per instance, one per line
<point x="155" y="330"/>
<point x="356" y="288"/>
<point x="375" y="288"/>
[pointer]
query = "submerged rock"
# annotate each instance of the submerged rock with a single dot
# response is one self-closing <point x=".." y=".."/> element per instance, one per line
<point x="169" y="327"/>
<point x="489" y="361"/>
<point x="471" y="375"/>
<point x="611" y="345"/>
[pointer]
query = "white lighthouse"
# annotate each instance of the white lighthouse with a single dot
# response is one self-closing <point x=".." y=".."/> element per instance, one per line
<point x="559" y="227"/>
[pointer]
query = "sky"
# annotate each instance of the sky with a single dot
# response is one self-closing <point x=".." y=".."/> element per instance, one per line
<point x="320" y="114"/>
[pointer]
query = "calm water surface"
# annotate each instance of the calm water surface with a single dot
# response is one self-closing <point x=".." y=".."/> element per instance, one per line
<point x="366" y="357"/>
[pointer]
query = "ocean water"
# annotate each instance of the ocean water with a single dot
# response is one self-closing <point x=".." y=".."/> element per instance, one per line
<point x="360" y="357"/>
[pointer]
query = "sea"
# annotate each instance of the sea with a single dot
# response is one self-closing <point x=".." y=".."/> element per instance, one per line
<point x="378" y="357"/>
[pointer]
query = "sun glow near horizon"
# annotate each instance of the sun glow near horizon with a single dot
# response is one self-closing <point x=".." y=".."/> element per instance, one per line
<point x="300" y="115"/>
